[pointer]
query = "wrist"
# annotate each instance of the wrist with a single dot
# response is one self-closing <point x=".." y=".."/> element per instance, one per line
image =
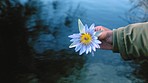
<point x="110" y="37"/>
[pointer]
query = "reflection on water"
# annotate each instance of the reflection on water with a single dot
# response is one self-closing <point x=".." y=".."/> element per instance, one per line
<point x="51" y="66"/>
<point x="138" y="12"/>
<point x="103" y="68"/>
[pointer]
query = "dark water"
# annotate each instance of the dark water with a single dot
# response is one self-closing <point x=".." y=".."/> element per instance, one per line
<point x="61" y="19"/>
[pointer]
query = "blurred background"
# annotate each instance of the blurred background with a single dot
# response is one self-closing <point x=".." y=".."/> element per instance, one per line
<point x="34" y="41"/>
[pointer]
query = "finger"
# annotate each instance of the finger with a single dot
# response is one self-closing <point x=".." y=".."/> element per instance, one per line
<point x="97" y="28"/>
<point x="100" y="28"/>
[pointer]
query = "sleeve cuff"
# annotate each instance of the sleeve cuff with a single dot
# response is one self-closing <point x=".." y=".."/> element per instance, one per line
<point x="115" y="45"/>
<point x="118" y="43"/>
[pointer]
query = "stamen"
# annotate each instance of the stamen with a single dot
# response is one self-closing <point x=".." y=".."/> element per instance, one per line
<point x="86" y="38"/>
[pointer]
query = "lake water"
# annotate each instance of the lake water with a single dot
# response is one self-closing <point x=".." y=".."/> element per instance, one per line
<point x="105" y="66"/>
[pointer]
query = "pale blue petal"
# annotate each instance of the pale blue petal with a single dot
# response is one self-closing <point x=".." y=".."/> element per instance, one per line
<point x="81" y="26"/>
<point x="97" y="41"/>
<point x="83" y="49"/>
<point x="74" y="36"/>
<point x="95" y="44"/>
<point x="98" y="46"/>
<point x="78" y="47"/>
<point x="91" y="32"/>
<point x="73" y="40"/>
<point x="76" y="43"/>
<point x="72" y="45"/>
<point x="86" y="28"/>
<point x="87" y="49"/>
<point x="92" y="26"/>
<point x="93" y="47"/>
<point x="94" y="37"/>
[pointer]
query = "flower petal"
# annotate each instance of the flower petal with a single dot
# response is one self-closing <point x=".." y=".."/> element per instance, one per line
<point x="91" y="31"/>
<point x="87" y="49"/>
<point x="74" y="36"/>
<point x="78" y="47"/>
<point x="83" y="49"/>
<point x="92" y="26"/>
<point x="97" y="41"/>
<point x="98" y="46"/>
<point x="93" y="47"/>
<point x="86" y="28"/>
<point x="94" y="37"/>
<point x="72" y="45"/>
<point x="73" y="40"/>
<point x="95" y="44"/>
<point x="81" y="26"/>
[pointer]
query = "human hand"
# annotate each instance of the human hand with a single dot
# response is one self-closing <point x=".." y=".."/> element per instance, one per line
<point x="105" y="37"/>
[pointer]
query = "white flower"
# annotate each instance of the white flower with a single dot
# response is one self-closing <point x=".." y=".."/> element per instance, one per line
<point x="86" y="40"/>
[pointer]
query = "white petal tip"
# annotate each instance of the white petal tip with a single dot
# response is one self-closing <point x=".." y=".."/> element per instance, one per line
<point x="72" y="45"/>
<point x="81" y="26"/>
<point x="80" y="54"/>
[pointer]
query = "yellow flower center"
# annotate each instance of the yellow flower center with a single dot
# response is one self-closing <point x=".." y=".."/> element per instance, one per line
<point x="85" y="38"/>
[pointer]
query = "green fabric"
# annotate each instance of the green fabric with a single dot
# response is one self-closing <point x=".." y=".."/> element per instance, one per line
<point x="131" y="41"/>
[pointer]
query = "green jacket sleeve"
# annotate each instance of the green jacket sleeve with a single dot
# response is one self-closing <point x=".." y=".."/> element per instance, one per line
<point x="131" y="41"/>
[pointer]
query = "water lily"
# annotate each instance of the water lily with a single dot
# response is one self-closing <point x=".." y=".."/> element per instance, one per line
<point x="86" y="40"/>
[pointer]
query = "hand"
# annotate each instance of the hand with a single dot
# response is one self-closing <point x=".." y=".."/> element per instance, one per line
<point x="105" y="37"/>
